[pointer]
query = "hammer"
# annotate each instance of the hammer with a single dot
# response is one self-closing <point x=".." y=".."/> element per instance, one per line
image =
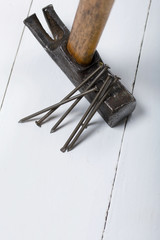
<point x="75" y="53"/>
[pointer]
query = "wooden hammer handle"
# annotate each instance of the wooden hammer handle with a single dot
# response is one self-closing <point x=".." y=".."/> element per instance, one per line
<point x="87" y="28"/>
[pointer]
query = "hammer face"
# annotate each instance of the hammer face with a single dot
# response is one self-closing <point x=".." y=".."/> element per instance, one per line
<point x="119" y="102"/>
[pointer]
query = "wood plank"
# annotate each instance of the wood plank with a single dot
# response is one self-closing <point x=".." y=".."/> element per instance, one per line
<point x="11" y="25"/>
<point x="135" y="206"/>
<point x="46" y="194"/>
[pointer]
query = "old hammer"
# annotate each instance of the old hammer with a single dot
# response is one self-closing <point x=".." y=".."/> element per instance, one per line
<point x="75" y="53"/>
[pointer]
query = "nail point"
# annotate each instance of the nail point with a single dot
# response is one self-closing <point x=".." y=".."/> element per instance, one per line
<point x="52" y="131"/>
<point x="63" y="149"/>
<point x="20" y="121"/>
<point x="37" y="123"/>
<point x="69" y="149"/>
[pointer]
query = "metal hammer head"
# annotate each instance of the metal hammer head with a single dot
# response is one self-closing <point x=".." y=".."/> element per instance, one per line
<point x="118" y="104"/>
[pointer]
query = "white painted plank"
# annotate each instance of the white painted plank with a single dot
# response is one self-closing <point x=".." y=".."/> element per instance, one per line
<point x="46" y="194"/>
<point x="11" y="25"/>
<point x="135" y="206"/>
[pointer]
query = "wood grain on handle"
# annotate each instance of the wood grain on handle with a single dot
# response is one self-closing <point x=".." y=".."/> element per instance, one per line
<point x="87" y="28"/>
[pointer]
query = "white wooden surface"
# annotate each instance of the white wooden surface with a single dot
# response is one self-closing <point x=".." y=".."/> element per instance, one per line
<point x="135" y="207"/>
<point x="108" y="186"/>
<point x="11" y="25"/>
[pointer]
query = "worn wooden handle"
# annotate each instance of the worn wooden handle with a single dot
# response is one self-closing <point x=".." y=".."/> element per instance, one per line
<point x="87" y="28"/>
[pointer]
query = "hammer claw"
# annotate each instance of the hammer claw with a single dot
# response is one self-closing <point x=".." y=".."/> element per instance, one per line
<point x="56" y="26"/>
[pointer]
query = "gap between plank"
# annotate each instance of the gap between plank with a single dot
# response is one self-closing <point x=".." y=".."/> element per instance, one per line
<point x="125" y="124"/>
<point x="14" y="61"/>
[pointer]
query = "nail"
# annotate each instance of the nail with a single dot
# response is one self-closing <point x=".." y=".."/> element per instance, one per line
<point x="64" y="148"/>
<point x="77" y="101"/>
<point x="41" y="120"/>
<point x="58" y="104"/>
<point x="90" y="116"/>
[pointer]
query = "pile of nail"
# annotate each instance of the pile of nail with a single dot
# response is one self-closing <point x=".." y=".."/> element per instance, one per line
<point x="100" y="97"/>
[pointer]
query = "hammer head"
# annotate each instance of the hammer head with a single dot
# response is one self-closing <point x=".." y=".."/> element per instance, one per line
<point x="119" y="102"/>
